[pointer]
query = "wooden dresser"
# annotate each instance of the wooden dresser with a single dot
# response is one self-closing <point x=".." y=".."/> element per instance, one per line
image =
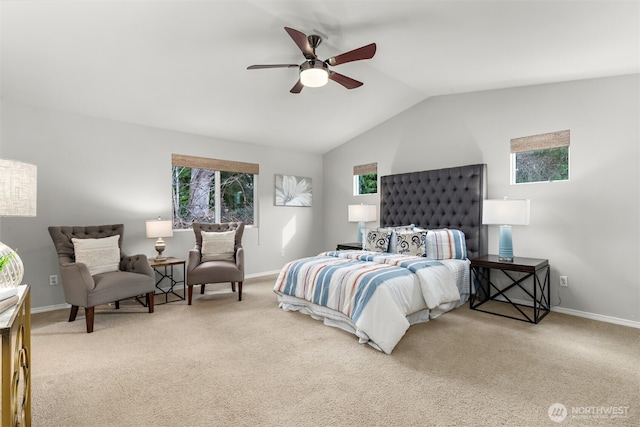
<point x="15" y="324"/>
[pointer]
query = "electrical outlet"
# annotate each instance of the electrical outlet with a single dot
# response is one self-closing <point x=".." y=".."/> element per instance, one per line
<point x="564" y="282"/>
<point x="282" y="253"/>
<point x="53" y="279"/>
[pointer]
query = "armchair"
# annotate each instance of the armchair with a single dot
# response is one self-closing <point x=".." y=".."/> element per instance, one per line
<point x="208" y="265"/>
<point x="86" y="285"/>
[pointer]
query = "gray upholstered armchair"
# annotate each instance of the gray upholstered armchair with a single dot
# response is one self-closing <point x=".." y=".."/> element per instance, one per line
<point x="105" y="275"/>
<point x="213" y="263"/>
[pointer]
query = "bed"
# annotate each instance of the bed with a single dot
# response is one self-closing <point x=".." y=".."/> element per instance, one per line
<point x="377" y="293"/>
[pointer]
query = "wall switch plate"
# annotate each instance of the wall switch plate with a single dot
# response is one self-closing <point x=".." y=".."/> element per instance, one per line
<point x="564" y="282"/>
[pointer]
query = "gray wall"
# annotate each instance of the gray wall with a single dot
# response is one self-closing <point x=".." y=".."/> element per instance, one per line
<point x="588" y="227"/>
<point x="93" y="171"/>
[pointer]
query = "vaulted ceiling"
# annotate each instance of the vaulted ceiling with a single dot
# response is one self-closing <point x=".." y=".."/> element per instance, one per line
<point x="181" y="65"/>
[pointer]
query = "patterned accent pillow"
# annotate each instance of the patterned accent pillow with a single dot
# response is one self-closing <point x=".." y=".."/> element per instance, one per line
<point x="377" y="241"/>
<point x="99" y="255"/>
<point x="446" y="244"/>
<point x="411" y="243"/>
<point x="393" y="247"/>
<point x="218" y="245"/>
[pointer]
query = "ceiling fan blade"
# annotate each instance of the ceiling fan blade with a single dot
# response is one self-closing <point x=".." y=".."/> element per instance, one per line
<point x="258" y="67"/>
<point x="364" y="52"/>
<point x="297" y="87"/>
<point x="302" y="41"/>
<point x="345" y="81"/>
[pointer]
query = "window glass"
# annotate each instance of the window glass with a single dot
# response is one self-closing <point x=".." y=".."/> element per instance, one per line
<point x="551" y="164"/>
<point x="366" y="184"/>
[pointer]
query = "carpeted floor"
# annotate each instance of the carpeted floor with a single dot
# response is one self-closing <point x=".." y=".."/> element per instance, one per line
<point x="222" y="362"/>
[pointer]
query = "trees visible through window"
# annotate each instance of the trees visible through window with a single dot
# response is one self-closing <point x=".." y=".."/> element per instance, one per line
<point x="365" y="179"/>
<point x="540" y="158"/>
<point x="212" y="190"/>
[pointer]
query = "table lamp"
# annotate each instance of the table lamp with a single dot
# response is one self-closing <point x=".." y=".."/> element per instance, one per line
<point x="362" y="213"/>
<point x="18" y="197"/>
<point x="157" y="229"/>
<point x="506" y="213"/>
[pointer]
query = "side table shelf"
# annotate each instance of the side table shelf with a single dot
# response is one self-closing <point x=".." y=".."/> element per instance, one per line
<point x="528" y="276"/>
<point x="15" y="324"/>
<point x="164" y="271"/>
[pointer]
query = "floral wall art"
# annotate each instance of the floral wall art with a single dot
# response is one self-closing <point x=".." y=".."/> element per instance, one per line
<point x="293" y="190"/>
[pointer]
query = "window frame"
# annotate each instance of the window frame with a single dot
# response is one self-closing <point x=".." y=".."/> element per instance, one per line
<point x="540" y="142"/>
<point x="217" y="166"/>
<point x="366" y="169"/>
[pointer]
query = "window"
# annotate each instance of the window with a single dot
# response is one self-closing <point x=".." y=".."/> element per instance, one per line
<point x="540" y="158"/>
<point x="212" y="190"/>
<point x="365" y="179"/>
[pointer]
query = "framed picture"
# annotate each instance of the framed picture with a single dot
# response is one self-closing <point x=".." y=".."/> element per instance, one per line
<point x="293" y="190"/>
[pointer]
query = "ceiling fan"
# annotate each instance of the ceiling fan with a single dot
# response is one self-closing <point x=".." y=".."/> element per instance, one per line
<point x="316" y="73"/>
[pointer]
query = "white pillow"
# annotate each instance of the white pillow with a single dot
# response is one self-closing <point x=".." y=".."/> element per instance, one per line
<point x="218" y="245"/>
<point x="99" y="255"/>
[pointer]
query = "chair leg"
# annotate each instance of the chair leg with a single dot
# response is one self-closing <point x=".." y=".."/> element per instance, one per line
<point x="150" y="301"/>
<point x="189" y="294"/>
<point x="89" y="313"/>
<point x="74" y="313"/>
<point x="233" y="286"/>
<point x="202" y="289"/>
<point x="239" y="291"/>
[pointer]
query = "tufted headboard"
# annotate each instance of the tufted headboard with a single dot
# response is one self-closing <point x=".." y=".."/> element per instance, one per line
<point x="442" y="198"/>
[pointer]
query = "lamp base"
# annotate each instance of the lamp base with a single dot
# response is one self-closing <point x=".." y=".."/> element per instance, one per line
<point x="360" y="231"/>
<point x="505" y="253"/>
<point x="160" y="246"/>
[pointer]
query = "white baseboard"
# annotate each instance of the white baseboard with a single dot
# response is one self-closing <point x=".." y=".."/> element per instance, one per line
<point x="587" y="315"/>
<point x="263" y="274"/>
<point x="600" y="317"/>
<point x="50" y="308"/>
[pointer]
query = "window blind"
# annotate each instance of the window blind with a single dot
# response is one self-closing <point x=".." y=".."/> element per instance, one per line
<point x="214" y="164"/>
<point x="365" y="169"/>
<point x="540" y="142"/>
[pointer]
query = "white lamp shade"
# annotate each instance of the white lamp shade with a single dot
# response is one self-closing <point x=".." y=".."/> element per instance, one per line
<point x="362" y="213"/>
<point x="506" y="212"/>
<point x="18" y="188"/>
<point x="159" y="229"/>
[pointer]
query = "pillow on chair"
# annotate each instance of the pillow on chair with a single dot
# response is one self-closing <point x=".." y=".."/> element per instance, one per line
<point x="99" y="255"/>
<point x="218" y="245"/>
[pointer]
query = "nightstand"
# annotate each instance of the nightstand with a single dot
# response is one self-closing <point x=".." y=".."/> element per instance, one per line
<point x="349" y="246"/>
<point x="530" y="300"/>
<point x="164" y="270"/>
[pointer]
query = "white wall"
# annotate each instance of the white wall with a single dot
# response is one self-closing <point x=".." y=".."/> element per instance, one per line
<point x="93" y="171"/>
<point x="588" y="227"/>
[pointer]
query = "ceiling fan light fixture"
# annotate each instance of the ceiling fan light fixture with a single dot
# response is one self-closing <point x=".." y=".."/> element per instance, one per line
<point x="314" y="74"/>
